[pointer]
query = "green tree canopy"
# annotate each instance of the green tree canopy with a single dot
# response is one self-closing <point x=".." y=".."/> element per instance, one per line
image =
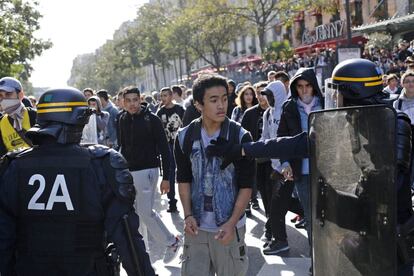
<point x="18" y="46"/>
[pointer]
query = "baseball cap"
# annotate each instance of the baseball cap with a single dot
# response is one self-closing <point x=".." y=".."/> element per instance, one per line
<point x="10" y="84"/>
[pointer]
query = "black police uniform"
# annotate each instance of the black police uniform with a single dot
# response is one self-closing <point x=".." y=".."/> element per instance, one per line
<point x="61" y="203"/>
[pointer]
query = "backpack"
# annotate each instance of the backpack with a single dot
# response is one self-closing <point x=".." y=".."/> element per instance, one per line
<point x="233" y="135"/>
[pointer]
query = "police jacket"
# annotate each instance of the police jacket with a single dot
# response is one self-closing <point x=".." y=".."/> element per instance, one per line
<point x="60" y="205"/>
<point x="10" y="139"/>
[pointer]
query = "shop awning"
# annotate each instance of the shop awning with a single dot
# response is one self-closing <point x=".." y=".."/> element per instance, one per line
<point x="392" y="25"/>
<point x="356" y="40"/>
<point x="244" y="60"/>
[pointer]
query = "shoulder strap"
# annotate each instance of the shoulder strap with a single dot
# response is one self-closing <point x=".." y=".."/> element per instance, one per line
<point x="21" y="133"/>
<point x="188" y="143"/>
<point x="234" y="132"/>
<point x="399" y="104"/>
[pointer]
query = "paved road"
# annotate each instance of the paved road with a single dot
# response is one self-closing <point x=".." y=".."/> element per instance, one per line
<point x="294" y="262"/>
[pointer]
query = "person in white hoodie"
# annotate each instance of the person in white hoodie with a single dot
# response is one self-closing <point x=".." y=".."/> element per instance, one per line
<point x="276" y="95"/>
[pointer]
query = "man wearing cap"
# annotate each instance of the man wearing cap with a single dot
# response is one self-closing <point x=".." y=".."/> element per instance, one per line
<point x="16" y="118"/>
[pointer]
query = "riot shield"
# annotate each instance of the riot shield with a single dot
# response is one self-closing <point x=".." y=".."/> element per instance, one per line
<point x="353" y="192"/>
<point x="90" y="132"/>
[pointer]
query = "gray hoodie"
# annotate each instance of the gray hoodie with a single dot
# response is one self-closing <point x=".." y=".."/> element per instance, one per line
<point x="271" y="117"/>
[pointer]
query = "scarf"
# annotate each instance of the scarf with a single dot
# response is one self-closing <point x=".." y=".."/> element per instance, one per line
<point x="307" y="107"/>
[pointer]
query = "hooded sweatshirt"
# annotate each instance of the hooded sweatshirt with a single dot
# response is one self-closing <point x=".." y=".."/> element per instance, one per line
<point x="102" y="119"/>
<point x="406" y="105"/>
<point x="271" y="117"/>
<point x="295" y="114"/>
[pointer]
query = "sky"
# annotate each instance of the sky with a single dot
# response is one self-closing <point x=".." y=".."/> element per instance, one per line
<point x="75" y="27"/>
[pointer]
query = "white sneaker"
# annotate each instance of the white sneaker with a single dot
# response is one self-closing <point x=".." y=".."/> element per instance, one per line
<point x="172" y="250"/>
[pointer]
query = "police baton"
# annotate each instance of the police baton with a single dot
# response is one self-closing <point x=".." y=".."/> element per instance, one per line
<point x="134" y="254"/>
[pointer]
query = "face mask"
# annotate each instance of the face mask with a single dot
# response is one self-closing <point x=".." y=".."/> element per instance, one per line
<point x="5" y="104"/>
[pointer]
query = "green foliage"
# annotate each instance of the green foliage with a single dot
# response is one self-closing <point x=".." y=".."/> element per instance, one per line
<point x="379" y="40"/>
<point x="278" y="49"/>
<point x="18" y="46"/>
<point x="211" y="29"/>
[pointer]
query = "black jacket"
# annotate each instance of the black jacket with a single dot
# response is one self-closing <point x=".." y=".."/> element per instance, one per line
<point x="190" y="114"/>
<point x="142" y="139"/>
<point x="290" y="124"/>
<point x="253" y="122"/>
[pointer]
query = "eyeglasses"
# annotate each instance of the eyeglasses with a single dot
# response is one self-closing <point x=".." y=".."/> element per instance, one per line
<point x="408" y="82"/>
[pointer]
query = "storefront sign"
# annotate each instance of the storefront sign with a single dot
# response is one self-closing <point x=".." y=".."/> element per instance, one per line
<point x="323" y="32"/>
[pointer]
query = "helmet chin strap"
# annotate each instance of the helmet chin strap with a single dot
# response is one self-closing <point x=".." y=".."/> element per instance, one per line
<point x="62" y="133"/>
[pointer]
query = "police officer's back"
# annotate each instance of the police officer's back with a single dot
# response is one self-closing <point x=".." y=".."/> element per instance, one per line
<point x="61" y="203"/>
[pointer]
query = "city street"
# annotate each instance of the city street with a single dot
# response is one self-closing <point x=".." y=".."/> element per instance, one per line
<point x="294" y="262"/>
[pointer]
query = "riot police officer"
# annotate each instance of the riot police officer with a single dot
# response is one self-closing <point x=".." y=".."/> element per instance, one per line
<point x="61" y="203"/>
<point x="355" y="83"/>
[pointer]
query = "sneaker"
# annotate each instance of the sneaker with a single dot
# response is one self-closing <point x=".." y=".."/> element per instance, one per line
<point x="172" y="250"/>
<point x="297" y="218"/>
<point x="276" y="247"/>
<point x="266" y="237"/>
<point x="172" y="209"/>
<point x="255" y="205"/>
<point x="301" y="224"/>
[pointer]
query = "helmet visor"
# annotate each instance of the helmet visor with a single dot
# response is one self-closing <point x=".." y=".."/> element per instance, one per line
<point x="333" y="99"/>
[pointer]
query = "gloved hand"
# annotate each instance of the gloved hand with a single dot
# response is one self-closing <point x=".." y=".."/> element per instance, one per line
<point x="223" y="148"/>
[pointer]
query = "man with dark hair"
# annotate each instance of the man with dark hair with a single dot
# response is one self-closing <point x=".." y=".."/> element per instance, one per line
<point x="171" y="116"/>
<point x="283" y="77"/>
<point x="141" y="138"/>
<point x="214" y="200"/>
<point x="306" y="97"/>
<point x="231" y="100"/>
<point x="177" y="94"/>
<point x="108" y="106"/>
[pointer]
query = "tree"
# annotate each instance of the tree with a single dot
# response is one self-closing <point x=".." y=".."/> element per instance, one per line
<point x="211" y="29"/>
<point x="18" y="21"/>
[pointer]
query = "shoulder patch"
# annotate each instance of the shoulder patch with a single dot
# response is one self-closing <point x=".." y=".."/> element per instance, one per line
<point x="98" y="151"/>
<point x="403" y="116"/>
<point x="116" y="160"/>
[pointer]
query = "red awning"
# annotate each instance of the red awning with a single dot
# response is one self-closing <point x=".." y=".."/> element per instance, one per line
<point x="244" y="60"/>
<point x="356" y="40"/>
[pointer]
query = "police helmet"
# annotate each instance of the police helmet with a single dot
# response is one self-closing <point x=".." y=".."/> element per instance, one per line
<point x="65" y="105"/>
<point x="61" y="113"/>
<point x="358" y="81"/>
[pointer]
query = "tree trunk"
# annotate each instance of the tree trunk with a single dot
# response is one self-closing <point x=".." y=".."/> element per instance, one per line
<point x="163" y="75"/>
<point x="154" y="72"/>
<point x="187" y="67"/>
<point x="261" y="33"/>
<point x="175" y="70"/>
<point x="181" y="68"/>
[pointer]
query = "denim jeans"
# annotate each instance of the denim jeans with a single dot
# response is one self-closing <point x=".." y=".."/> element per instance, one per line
<point x="303" y="188"/>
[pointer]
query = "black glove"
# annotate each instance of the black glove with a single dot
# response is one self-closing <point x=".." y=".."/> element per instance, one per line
<point x="223" y="148"/>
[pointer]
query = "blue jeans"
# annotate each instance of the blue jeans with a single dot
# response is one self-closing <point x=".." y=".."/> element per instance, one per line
<point x="171" y="194"/>
<point x="303" y="189"/>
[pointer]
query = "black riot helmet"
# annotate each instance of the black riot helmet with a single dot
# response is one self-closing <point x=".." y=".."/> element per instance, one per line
<point x="61" y="113"/>
<point x="355" y="82"/>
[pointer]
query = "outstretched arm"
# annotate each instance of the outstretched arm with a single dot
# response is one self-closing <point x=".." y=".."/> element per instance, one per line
<point x="283" y="147"/>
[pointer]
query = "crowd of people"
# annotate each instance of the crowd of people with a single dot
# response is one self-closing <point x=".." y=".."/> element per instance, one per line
<point x="170" y="129"/>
